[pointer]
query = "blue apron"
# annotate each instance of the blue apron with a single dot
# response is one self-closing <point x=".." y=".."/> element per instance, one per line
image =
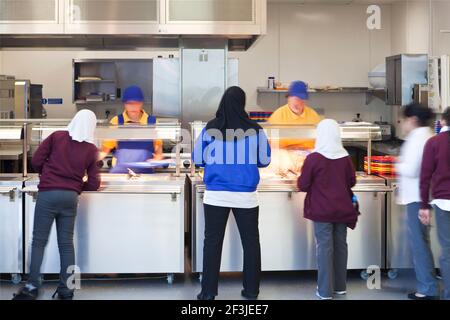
<point x="133" y="151"/>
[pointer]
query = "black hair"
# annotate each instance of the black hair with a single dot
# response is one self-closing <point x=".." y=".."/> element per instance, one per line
<point x="421" y="112"/>
<point x="446" y="117"/>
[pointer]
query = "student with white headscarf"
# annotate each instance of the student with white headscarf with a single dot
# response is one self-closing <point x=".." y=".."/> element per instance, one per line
<point x="327" y="177"/>
<point x="63" y="160"/>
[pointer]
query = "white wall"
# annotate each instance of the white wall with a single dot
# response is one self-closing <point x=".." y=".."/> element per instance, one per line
<point x="418" y="26"/>
<point x="1" y="61"/>
<point x="410" y="27"/>
<point x="399" y="39"/>
<point x="322" y="45"/>
<point x="440" y="21"/>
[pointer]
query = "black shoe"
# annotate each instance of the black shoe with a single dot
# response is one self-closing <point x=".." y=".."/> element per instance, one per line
<point x="26" y="294"/>
<point x="59" y="296"/>
<point x="202" y="296"/>
<point x="413" y="296"/>
<point x="249" y="296"/>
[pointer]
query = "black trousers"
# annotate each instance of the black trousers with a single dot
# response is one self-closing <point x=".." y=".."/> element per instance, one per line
<point x="215" y="223"/>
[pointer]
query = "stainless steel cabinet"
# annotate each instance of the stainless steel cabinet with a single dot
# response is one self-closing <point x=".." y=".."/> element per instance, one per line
<point x="121" y="229"/>
<point x="287" y="239"/>
<point x="366" y="243"/>
<point x="112" y="16"/>
<point x="244" y="17"/>
<point x="32" y="16"/>
<point x="190" y="17"/>
<point x="11" y="236"/>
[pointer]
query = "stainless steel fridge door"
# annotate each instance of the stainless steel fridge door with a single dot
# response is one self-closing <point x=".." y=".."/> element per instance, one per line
<point x="203" y="80"/>
<point x="166" y="87"/>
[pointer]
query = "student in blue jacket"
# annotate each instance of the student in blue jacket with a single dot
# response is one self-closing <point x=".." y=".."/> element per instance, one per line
<point x="231" y="148"/>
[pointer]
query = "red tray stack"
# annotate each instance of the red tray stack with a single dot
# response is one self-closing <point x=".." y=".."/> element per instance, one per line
<point x="381" y="165"/>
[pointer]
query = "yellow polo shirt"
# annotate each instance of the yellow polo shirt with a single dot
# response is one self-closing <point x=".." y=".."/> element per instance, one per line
<point x="112" y="144"/>
<point x="284" y="115"/>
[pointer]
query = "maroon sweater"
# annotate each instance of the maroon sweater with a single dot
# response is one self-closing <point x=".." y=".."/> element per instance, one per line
<point x="328" y="186"/>
<point x="62" y="163"/>
<point x="435" y="171"/>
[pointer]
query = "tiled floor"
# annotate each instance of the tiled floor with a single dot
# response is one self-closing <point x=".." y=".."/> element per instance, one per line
<point x="280" y="285"/>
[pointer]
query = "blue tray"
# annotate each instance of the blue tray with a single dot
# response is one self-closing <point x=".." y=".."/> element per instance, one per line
<point x="144" y="165"/>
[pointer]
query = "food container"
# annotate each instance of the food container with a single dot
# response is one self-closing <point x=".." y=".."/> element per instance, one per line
<point x="271" y="83"/>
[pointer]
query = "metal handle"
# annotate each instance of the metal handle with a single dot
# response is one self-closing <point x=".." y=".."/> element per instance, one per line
<point x="7" y="190"/>
<point x="377" y="189"/>
<point x="293" y="189"/>
<point x="170" y="192"/>
<point x="25" y="150"/>
<point x="11" y="192"/>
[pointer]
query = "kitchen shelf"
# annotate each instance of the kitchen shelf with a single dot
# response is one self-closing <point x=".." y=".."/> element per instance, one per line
<point x="96" y="102"/>
<point x="95" y="81"/>
<point x="340" y="90"/>
<point x="370" y="93"/>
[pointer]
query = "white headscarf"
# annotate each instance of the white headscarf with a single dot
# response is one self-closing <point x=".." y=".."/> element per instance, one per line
<point x="328" y="141"/>
<point x="82" y="126"/>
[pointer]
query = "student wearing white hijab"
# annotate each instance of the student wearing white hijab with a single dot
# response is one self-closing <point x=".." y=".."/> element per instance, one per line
<point x="327" y="177"/>
<point x="82" y="126"/>
<point x="328" y="141"/>
<point x="62" y="161"/>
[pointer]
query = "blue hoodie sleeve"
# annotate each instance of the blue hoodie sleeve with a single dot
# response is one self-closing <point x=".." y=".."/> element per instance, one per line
<point x="199" y="150"/>
<point x="264" y="151"/>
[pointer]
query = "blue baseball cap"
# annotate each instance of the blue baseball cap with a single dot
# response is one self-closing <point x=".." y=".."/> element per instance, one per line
<point x="133" y="93"/>
<point x="299" y="89"/>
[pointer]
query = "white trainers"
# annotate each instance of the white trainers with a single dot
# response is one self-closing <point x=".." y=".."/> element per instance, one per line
<point x="322" y="298"/>
<point x="340" y="293"/>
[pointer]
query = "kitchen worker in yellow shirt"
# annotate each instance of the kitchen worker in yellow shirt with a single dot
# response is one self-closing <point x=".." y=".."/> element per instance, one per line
<point x="127" y="153"/>
<point x="296" y="112"/>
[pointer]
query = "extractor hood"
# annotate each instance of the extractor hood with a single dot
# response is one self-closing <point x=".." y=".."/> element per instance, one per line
<point x="125" y="24"/>
<point x="119" y="42"/>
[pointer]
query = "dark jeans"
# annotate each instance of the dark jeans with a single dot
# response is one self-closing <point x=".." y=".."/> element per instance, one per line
<point x="215" y="224"/>
<point x="332" y="255"/>
<point x="59" y="206"/>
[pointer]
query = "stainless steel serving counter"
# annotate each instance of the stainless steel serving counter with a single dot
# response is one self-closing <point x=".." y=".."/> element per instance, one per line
<point x="11" y="232"/>
<point x="131" y="225"/>
<point x="287" y="239"/>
